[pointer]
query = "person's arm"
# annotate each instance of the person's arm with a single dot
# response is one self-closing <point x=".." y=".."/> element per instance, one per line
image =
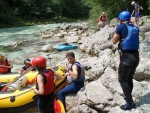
<point x="74" y="72"/>
<point x="132" y="13"/>
<point x="21" y="71"/>
<point x="58" y="77"/>
<point x="138" y="9"/>
<point x="115" y="38"/>
<point x="10" y="65"/>
<point x="100" y="18"/>
<point x="40" y="82"/>
<point x="28" y="62"/>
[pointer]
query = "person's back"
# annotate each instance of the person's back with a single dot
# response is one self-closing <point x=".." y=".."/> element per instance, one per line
<point x="45" y="85"/>
<point x="128" y="37"/>
<point x="131" y="42"/>
<point x="48" y="76"/>
<point x="81" y="72"/>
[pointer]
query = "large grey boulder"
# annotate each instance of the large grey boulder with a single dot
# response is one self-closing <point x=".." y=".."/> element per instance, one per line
<point x="98" y="42"/>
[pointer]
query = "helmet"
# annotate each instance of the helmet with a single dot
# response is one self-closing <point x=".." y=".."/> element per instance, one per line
<point x="125" y="15"/>
<point x="27" y="60"/>
<point x="39" y="61"/>
<point x="103" y="13"/>
<point x="133" y="2"/>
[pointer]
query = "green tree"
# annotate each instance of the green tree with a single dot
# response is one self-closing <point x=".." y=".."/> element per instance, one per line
<point x="6" y="13"/>
<point x="112" y="7"/>
<point x="70" y="8"/>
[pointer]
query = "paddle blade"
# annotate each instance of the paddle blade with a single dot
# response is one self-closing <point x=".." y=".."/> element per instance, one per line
<point x="57" y="107"/>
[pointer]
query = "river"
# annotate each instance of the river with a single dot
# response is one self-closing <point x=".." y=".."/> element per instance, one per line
<point x="30" y="48"/>
<point x="32" y="44"/>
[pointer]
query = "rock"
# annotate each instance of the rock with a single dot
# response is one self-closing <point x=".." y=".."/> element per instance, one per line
<point x="96" y="96"/>
<point x="145" y="28"/>
<point x="114" y="22"/>
<point x="98" y="41"/>
<point x="47" y="48"/>
<point x="72" y="39"/>
<point x="71" y="101"/>
<point x="82" y="109"/>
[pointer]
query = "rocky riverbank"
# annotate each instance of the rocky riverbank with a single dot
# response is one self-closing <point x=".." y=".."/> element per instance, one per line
<point x="102" y="92"/>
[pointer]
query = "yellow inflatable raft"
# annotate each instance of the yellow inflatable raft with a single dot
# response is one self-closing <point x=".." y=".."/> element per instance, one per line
<point x="23" y="98"/>
<point x="9" y="77"/>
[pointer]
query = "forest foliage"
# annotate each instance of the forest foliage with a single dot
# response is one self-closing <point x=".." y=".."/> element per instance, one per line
<point x="14" y="11"/>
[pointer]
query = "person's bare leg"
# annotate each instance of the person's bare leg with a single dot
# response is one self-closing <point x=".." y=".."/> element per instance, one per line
<point x="137" y="22"/>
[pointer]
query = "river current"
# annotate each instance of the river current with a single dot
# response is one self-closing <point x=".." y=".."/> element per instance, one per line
<point x="30" y="48"/>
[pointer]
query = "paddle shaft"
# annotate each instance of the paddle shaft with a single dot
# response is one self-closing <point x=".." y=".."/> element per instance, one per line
<point x="5" y="88"/>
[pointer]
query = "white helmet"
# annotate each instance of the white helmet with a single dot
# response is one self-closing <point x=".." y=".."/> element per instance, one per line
<point x="133" y="2"/>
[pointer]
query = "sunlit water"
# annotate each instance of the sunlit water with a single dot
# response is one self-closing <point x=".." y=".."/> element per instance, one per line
<point x="30" y="49"/>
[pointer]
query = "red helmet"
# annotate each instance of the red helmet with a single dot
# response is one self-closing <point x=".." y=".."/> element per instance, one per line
<point x="39" y="61"/>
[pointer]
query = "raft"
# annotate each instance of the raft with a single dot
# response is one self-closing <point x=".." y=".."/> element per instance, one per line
<point x="65" y="47"/>
<point x="9" y="77"/>
<point x="20" y="100"/>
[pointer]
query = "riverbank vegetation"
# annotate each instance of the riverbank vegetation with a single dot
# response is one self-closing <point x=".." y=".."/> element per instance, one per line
<point x="30" y="12"/>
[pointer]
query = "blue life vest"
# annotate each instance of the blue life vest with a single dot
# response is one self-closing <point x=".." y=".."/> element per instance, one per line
<point x="81" y="72"/>
<point x="131" y="42"/>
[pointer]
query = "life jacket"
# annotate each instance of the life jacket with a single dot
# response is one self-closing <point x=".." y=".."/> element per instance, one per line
<point x="131" y="42"/>
<point x="4" y="70"/>
<point x="48" y="76"/>
<point x="81" y="72"/>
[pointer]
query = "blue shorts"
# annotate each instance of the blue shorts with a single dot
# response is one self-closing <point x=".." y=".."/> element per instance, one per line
<point x="137" y="15"/>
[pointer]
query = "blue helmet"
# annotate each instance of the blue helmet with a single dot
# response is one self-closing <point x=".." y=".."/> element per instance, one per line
<point x="125" y="15"/>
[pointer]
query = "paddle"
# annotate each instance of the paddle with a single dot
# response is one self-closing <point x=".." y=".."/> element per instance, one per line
<point x="6" y="87"/>
<point x="48" y="55"/>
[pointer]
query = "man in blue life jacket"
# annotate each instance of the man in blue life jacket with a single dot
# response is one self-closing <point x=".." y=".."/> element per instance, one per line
<point x="128" y="36"/>
<point x="77" y="74"/>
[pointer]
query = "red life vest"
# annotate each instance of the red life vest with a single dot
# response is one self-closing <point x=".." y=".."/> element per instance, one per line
<point x="48" y="76"/>
<point x="3" y="70"/>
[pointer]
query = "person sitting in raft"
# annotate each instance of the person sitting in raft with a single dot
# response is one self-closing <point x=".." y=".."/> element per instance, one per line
<point x="27" y="64"/>
<point x="5" y="65"/>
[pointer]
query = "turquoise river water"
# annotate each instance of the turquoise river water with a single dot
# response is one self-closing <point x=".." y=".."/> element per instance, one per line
<point x="30" y="48"/>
